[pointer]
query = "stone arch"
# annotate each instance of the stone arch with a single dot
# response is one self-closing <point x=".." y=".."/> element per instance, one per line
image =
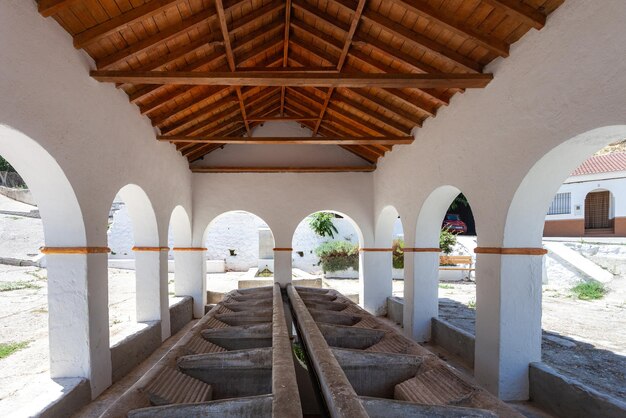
<point x="527" y="211"/>
<point x="142" y="215"/>
<point x="59" y="208"/>
<point x="180" y="228"/>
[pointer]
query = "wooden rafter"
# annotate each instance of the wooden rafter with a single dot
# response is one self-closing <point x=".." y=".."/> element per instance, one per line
<point x="519" y="9"/>
<point x="340" y="68"/>
<point x="230" y="57"/>
<point x="270" y="78"/>
<point x="455" y="26"/>
<point x="285" y="52"/>
<point x="50" y="7"/>
<point x="342" y="58"/>
<point x="106" y="28"/>
<point x="290" y="140"/>
<point x="340" y="169"/>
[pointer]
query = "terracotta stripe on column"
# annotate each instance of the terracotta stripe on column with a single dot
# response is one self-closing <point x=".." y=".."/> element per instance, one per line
<point x="283" y="249"/>
<point x="150" y="249"/>
<point x="376" y="249"/>
<point x="189" y="249"/>
<point x="421" y="250"/>
<point x="510" y="251"/>
<point x="75" y="250"/>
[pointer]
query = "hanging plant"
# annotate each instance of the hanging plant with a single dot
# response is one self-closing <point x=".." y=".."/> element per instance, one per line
<point x="322" y="224"/>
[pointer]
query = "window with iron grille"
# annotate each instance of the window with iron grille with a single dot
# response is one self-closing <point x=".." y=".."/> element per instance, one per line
<point x="561" y="204"/>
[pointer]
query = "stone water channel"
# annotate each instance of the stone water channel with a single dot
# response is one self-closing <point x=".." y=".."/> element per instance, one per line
<point x="294" y="352"/>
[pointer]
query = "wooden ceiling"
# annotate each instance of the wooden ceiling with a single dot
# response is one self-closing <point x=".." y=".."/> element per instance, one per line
<point x="359" y="74"/>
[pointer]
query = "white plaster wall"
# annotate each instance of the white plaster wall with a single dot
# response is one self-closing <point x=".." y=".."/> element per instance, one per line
<point x="279" y="154"/>
<point x="283" y="200"/>
<point x="534" y="103"/>
<point x="98" y="138"/>
<point x="238" y="231"/>
<point x="579" y="188"/>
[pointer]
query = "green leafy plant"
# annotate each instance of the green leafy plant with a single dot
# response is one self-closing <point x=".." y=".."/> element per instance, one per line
<point x="471" y="304"/>
<point x="397" y="254"/>
<point x="6" y="349"/>
<point x="18" y="285"/>
<point x="322" y="224"/>
<point x="338" y="255"/>
<point x="447" y="241"/>
<point x="591" y="290"/>
<point x="445" y="286"/>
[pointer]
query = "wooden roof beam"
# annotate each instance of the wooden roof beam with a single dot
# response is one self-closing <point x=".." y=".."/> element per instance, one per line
<point x="277" y="79"/>
<point x="389" y="123"/>
<point x="108" y="27"/>
<point x="408" y="116"/>
<point x="208" y="61"/>
<point x="422" y="42"/>
<point x="449" y="22"/>
<point x="206" y="95"/>
<point x="254" y="16"/>
<point x="202" y="18"/>
<point x="51" y="7"/>
<point x="199" y="113"/>
<point x="230" y="57"/>
<point x="289" y="140"/>
<point x="285" y="51"/>
<point x="520" y="10"/>
<point x="337" y="169"/>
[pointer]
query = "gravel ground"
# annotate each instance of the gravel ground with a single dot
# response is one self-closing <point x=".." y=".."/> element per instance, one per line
<point x="582" y="339"/>
<point x="24" y="318"/>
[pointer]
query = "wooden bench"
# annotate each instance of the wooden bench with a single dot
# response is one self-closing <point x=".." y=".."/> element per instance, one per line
<point x="464" y="260"/>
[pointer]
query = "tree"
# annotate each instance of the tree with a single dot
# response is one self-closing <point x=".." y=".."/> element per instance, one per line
<point x="322" y="224"/>
<point x="5" y="166"/>
<point x="459" y="201"/>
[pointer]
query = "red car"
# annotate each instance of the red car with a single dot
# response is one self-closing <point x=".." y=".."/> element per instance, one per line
<point x="454" y="223"/>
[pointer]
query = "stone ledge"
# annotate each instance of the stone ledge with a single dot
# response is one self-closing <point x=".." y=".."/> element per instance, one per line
<point x="567" y="397"/>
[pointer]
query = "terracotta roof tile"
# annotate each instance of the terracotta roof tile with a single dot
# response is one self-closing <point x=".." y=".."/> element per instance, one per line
<point x="602" y="164"/>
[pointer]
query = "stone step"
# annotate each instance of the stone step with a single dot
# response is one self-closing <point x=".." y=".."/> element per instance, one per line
<point x="199" y="345"/>
<point x="173" y="387"/>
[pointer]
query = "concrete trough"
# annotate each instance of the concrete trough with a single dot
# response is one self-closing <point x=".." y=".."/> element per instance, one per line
<point x="245" y="318"/>
<point x="232" y="374"/>
<point x="335" y="318"/>
<point x="326" y="306"/>
<point x="240" y="337"/>
<point x="395" y="370"/>
<point x="303" y="291"/>
<point x="249" y="305"/>
<point x="314" y="297"/>
<point x="386" y="408"/>
<point x="376" y="374"/>
<point x="248" y="407"/>
<point x="349" y="337"/>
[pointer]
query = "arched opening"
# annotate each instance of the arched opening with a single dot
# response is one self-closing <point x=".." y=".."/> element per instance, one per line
<point x="134" y="295"/>
<point x="551" y="318"/>
<point x="38" y="330"/>
<point x="240" y="253"/>
<point x="326" y="253"/>
<point x="444" y="264"/>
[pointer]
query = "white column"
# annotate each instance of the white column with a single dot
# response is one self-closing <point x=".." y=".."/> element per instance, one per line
<point x="409" y="286"/>
<point x="190" y="272"/>
<point x="375" y="279"/>
<point x="148" y="279"/>
<point x="282" y="266"/>
<point x="164" y="296"/>
<point x="79" y="318"/>
<point x="508" y="322"/>
<point x="425" y="293"/>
